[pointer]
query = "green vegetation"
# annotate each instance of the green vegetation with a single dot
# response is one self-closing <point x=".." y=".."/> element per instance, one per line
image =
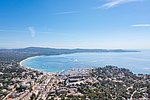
<point x="16" y="55"/>
<point x="109" y="83"/>
<point x="103" y="83"/>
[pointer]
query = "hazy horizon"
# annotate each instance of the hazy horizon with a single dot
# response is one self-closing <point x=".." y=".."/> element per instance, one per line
<point x="82" y="48"/>
<point x="93" y="24"/>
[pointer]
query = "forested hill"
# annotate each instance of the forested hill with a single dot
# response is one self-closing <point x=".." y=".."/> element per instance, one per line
<point x="20" y="54"/>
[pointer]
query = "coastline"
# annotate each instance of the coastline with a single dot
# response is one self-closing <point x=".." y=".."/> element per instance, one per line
<point x="144" y="70"/>
<point x="26" y="67"/>
<point x="20" y="63"/>
<point x="34" y="69"/>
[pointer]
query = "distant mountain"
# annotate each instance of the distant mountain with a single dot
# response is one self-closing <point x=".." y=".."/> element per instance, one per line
<point x="20" y="54"/>
<point x="48" y="50"/>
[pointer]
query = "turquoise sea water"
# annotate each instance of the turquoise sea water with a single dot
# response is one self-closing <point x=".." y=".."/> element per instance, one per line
<point x="137" y="62"/>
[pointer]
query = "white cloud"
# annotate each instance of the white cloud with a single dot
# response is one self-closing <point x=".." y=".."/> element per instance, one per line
<point x="66" y="12"/>
<point x="32" y="31"/>
<point x="141" y="25"/>
<point x="113" y="3"/>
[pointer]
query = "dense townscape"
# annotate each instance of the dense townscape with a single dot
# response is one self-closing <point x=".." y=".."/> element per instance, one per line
<point x="108" y="82"/>
<point x="81" y="83"/>
<point x="74" y="49"/>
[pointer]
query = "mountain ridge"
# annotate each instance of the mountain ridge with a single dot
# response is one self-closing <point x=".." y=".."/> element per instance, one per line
<point x="23" y="53"/>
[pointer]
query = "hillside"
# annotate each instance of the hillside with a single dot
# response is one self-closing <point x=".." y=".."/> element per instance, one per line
<point x="20" y="54"/>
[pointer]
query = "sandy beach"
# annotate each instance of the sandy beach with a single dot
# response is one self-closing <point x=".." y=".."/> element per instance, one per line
<point x="27" y="59"/>
<point x="29" y="68"/>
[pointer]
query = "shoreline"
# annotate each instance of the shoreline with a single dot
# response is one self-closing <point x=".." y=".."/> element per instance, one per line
<point x="29" y="68"/>
<point x="20" y="63"/>
<point x="69" y="53"/>
<point x="32" y="57"/>
<point x="34" y="69"/>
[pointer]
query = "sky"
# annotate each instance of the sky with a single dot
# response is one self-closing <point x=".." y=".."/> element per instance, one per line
<point x="106" y="24"/>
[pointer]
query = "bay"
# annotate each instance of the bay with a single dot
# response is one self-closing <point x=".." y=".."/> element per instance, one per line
<point x="137" y="62"/>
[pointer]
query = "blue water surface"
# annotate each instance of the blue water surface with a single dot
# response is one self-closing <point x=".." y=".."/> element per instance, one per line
<point x="137" y="62"/>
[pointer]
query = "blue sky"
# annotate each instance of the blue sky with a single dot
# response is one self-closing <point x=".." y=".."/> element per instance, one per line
<point x="109" y="24"/>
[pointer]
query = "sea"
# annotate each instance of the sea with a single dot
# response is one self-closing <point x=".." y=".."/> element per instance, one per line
<point x="137" y="62"/>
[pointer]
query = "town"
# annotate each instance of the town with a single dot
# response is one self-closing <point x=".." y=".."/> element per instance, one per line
<point x="80" y="83"/>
